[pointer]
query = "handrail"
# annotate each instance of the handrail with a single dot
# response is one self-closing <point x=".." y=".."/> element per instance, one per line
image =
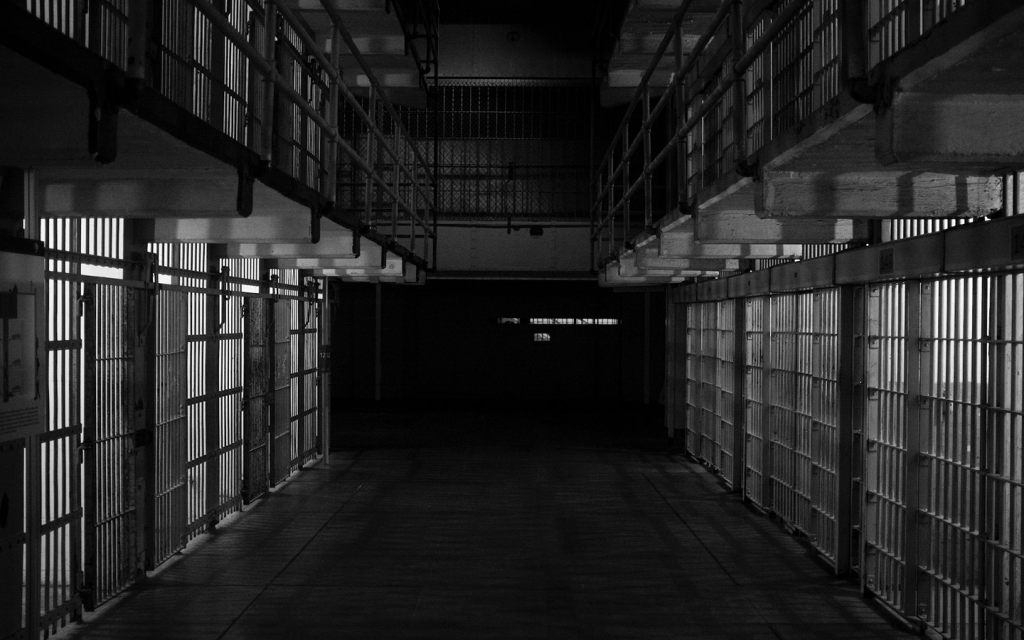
<point x="609" y="175"/>
<point x="350" y="97"/>
<point x="347" y="37"/>
<point x="682" y="72"/>
<point x="328" y="125"/>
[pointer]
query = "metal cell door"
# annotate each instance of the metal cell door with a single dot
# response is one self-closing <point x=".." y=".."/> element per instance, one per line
<point x="281" y="442"/>
<point x="258" y="401"/>
<point x="109" y="442"/>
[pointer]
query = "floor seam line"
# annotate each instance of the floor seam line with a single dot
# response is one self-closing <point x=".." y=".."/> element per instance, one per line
<point x="293" y="558"/>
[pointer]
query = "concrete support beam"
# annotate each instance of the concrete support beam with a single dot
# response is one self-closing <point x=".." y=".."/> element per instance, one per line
<point x="335" y="242"/>
<point x="648" y="257"/>
<point x="680" y="242"/>
<point x="876" y="194"/>
<point x="976" y="129"/>
<point x="393" y="268"/>
<point x="194" y="197"/>
<point x="746" y="226"/>
<point x="627" y="268"/>
<point x="254" y="229"/>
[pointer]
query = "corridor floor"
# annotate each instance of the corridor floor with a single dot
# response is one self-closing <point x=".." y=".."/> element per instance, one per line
<point x="495" y="525"/>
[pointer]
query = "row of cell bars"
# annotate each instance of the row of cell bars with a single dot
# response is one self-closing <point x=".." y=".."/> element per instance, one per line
<point x="209" y="454"/>
<point x="929" y="511"/>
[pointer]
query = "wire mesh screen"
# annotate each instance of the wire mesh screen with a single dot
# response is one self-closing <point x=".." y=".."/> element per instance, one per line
<point x="510" y="148"/>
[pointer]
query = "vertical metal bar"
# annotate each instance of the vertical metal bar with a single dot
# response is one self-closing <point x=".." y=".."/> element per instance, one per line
<point x="916" y="419"/>
<point x="324" y="362"/>
<point x="648" y="184"/>
<point x="844" y="427"/>
<point x="269" y="89"/>
<point x="377" y="341"/>
<point x="739" y="464"/>
<point x="211" y="400"/>
<point x="89" y="568"/>
<point x="647" y="347"/>
<point x="330" y="189"/>
<point x="670" y="363"/>
<point x="768" y="356"/>
<point x="371" y="159"/>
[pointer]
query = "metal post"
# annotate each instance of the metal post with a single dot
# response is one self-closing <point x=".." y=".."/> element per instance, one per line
<point x="330" y="188"/>
<point x="371" y="146"/>
<point x="648" y="187"/>
<point x="739" y="444"/>
<point x="324" y="364"/>
<point x="845" y="426"/>
<point x="377" y="374"/>
<point x="767" y="502"/>
<point x="917" y="422"/>
<point x="270" y="55"/>
<point x="647" y="347"/>
<point x="670" y="363"/>
<point x="212" y="374"/>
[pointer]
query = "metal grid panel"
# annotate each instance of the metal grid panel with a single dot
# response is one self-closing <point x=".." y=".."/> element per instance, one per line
<point x="726" y="400"/>
<point x="692" y="428"/>
<point x="110" y="429"/>
<point x="756" y="401"/>
<point x="758" y="118"/>
<point x="194" y="258"/>
<point x="302" y="376"/>
<point x="883" y="512"/>
<point x="229" y="390"/>
<point x="61" y="521"/>
<point x="710" y="424"/>
<point x="171" y="428"/>
<point x="258" y="398"/>
<point x="790" y="412"/>
<point x="793" y="71"/>
<point x="508" y="147"/>
<point x="1003" y="482"/>
<point x="952" y="502"/>
<point x="895" y="24"/>
<point x="824" y="449"/>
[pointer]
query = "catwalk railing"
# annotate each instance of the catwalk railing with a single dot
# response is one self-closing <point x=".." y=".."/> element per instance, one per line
<point x="878" y="414"/>
<point x="274" y="91"/>
<point x="172" y="404"/>
<point x="760" y="70"/>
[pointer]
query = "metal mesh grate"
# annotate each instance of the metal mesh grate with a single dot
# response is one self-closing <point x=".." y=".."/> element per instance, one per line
<point x="510" y="148"/>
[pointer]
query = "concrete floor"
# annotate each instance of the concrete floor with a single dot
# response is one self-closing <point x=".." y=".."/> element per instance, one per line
<point x="495" y="525"/>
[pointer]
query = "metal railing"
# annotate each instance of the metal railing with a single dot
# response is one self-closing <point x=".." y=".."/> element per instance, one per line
<point x="273" y="90"/>
<point x="760" y="70"/>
